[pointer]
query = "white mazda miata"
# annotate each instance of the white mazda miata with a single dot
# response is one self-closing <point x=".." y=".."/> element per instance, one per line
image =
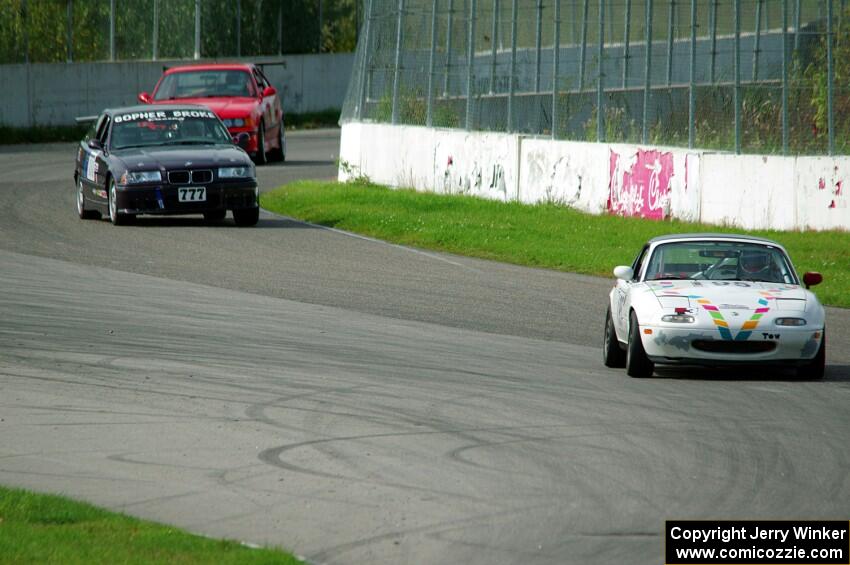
<point x="713" y="299"/>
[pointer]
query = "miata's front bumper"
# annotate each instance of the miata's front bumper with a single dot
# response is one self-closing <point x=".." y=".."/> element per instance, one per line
<point x="675" y="344"/>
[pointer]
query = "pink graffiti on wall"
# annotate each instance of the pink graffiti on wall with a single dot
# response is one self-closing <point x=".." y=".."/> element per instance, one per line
<point x="640" y="185"/>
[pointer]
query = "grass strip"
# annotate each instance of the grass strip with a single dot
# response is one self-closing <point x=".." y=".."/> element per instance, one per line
<point x="38" y="528"/>
<point x="542" y="235"/>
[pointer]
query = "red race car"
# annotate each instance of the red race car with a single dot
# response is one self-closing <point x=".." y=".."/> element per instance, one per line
<point x="239" y="93"/>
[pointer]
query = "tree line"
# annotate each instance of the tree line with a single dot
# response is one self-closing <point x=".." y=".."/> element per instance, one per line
<point x="80" y="30"/>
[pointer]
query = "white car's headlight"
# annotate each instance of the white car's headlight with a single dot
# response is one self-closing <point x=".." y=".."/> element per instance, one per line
<point x="790" y="322"/>
<point x="678" y="318"/>
<point x="235" y="172"/>
<point x="136" y="177"/>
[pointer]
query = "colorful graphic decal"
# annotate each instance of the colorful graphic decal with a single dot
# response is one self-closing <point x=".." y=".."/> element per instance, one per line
<point x="746" y="330"/>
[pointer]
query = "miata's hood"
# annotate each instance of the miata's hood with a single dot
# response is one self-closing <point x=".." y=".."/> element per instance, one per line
<point x="181" y="157"/>
<point x="731" y="295"/>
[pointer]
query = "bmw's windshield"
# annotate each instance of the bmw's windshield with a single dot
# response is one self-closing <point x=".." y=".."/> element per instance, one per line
<point x="720" y="260"/>
<point x="205" y="84"/>
<point x="168" y="127"/>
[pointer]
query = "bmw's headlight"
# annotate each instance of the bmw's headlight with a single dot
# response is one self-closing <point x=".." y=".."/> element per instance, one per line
<point x="235" y="172"/>
<point x="234" y="122"/>
<point x="136" y="177"/>
<point x="790" y="322"/>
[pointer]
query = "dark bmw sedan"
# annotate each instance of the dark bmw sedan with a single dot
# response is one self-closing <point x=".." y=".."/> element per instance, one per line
<point x="176" y="159"/>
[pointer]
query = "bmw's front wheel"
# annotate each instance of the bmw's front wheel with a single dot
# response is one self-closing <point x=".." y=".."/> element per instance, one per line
<point x="245" y="217"/>
<point x="261" y="156"/>
<point x="116" y="217"/>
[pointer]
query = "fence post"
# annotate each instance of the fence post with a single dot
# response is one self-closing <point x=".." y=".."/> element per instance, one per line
<point x="647" y="77"/>
<point x="364" y="74"/>
<point x="494" y="35"/>
<point x="830" y="72"/>
<point x="692" y="96"/>
<point x="111" y="30"/>
<point x="626" y="33"/>
<point x="785" y="77"/>
<point x="582" y="50"/>
<point x="556" y="59"/>
<point x="797" y="18"/>
<point x="155" y="38"/>
<point x="397" y="65"/>
<point x="470" y="60"/>
<point x="757" y="40"/>
<point x="600" y="88"/>
<point x="197" y="29"/>
<point x="429" y="109"/>
<point x="712" y="24"/>
<point x="538" y="45"/>
<point x="671" y="13"/>
<point x="512" y="83"/>
<point x="70" y="31"/>
<point x="448" y="47"/>
<point x="738" y="100"/>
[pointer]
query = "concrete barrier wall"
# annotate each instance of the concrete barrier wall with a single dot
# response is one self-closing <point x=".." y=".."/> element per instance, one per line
<point x="749" y="191"/>
<point x="55" y="93"/>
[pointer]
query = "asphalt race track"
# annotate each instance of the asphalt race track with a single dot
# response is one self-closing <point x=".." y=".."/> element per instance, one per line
<point x="360" y="402"/>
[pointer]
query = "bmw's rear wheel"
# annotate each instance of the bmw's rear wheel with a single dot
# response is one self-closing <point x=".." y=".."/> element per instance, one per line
<point x="246" y="216"/>
<point x="638" y="364"/>
<point x="81" y="204"/>
<point x="261" y="156"/>
<point x="117" y="218"/>
<point x="814" y="370"/>
<point x="612" y="353"/>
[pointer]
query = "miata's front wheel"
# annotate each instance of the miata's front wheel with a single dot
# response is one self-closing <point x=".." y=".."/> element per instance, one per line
<point x="638" y="364"/>
<point x="815" y="369"/>
<point x="612" y="354"/>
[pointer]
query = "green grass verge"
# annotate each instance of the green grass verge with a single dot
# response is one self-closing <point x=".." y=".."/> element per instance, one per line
<point x="38" y="528"/>
<point x="544" y="235"/>
<point x="47" y="134"/>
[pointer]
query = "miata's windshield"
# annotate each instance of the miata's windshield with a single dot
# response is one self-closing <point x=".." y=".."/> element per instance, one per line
<point x="168" y="127"/>
<point x="719" y="260"/>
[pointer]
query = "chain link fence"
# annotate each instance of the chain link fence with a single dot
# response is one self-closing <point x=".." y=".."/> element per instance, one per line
<point x="44" y="31"/>
<point x="756" y="76"/>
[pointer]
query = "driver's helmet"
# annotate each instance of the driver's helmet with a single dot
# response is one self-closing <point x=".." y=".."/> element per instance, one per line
<point x="753" y="261"/>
